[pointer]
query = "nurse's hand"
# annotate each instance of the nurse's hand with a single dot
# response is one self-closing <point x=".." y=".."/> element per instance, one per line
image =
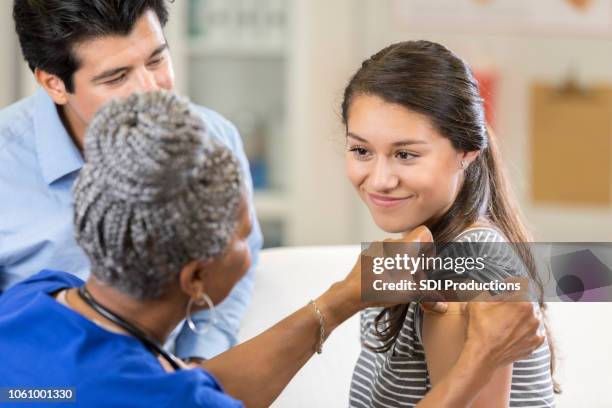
<point x="353" y="282"/>
<point x="504" y="328"/>
<point x="437" y="307"/>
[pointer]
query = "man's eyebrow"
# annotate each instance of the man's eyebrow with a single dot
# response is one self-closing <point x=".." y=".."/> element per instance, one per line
<point x="158" y="50"/>
<point x="394" y="144"/>
<point x="114" y="71"/>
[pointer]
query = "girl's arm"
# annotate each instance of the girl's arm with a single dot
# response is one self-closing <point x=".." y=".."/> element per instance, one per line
<point x="444" y="338"/>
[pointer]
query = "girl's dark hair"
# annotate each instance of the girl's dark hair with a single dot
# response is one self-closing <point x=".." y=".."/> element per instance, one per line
<point x="429" y="79"/>
<point x="48" y="30"/>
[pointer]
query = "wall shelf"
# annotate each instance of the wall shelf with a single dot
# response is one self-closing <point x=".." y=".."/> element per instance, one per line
<point x="198" y="48"/>
<point x="268" y="66"/>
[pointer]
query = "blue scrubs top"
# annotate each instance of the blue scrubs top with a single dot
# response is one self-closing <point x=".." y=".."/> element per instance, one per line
<point x="44" y="345"/>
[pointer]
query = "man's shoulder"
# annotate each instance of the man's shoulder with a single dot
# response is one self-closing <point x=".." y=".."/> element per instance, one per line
<point x="210" y="116"/>
<point x="16" y="122"/>
<point x="219" y="126"/>
<point x="18" y="145"/>
<point x="20" y="171"/>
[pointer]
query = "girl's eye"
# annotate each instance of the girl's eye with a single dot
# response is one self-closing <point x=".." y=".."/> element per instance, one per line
<point x="359" y="152"/>
<point x="404" y="155"/>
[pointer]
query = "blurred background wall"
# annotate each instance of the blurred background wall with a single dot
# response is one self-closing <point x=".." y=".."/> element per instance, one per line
<point x="277" y="69"/>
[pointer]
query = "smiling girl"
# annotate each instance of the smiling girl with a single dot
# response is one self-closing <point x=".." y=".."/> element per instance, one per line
<point x="419" y="153"/>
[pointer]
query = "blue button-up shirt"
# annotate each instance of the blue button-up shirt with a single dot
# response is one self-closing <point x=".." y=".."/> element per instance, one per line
<point x="39" y="163"/>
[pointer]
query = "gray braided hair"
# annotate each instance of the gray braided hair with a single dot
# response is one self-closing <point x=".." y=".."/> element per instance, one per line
<point x="156" y="192"/>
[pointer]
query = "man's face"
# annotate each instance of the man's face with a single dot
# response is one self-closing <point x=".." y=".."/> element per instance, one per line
<point x="116" y="67"/>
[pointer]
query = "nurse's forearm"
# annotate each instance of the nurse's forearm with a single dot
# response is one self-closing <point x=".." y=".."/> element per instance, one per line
<point x="256" y="371"/>
<point x="461" y="385"/>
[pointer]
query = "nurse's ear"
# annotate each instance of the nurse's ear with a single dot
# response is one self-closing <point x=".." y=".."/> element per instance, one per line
<point x="193" y="276"/>
<point x="53" y="85"/>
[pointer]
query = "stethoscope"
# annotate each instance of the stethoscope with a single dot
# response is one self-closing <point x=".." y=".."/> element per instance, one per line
<point x="150" y="344"/>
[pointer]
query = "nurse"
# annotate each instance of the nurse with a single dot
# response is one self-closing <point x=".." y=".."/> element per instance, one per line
<point x="161" y="212"/>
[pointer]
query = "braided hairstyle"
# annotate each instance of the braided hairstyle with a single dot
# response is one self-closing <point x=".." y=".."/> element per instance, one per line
<point x="156" y="192"/>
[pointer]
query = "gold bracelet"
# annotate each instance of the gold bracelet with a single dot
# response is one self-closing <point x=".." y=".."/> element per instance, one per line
<point x="321" y="327"/>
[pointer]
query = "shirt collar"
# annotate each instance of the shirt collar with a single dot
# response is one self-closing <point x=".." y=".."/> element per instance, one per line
<point x="57" y="153"/>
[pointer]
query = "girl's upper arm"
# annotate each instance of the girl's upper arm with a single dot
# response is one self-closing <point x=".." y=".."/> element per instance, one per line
<point x="443" y="337"/>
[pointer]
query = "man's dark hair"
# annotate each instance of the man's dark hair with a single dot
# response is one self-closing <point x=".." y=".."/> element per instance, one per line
<point x="48" y="30"/>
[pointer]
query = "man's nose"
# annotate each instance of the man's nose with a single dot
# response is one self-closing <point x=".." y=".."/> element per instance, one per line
<point x="383" y="177"/>
<point x="145" y="81"/>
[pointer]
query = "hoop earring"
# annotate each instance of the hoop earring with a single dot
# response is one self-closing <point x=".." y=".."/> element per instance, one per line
<point x="462" y="164"/>
<point x="213" y="320"/>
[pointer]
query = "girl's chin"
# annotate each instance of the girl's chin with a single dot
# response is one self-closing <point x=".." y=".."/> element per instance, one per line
<point x="395" y="227"/>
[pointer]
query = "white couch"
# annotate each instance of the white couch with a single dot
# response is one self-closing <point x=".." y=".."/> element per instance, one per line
<point x="288" y="278"/>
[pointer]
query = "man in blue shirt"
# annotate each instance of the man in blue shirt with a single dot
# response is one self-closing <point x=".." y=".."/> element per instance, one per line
<point x="84" y="53"/>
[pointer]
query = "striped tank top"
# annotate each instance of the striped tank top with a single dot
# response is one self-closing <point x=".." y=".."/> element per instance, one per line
<point x="399" y="377"/>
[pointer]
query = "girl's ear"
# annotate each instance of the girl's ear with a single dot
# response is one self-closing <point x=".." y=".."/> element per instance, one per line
<point x="469" y="157"/>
